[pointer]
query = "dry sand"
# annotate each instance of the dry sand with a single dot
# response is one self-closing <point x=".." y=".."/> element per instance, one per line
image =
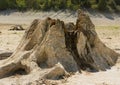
<point x="108" y="30"/>
<point x="99" y="19"/>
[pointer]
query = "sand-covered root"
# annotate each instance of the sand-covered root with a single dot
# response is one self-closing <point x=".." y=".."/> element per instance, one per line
<point x="51" y="49"/>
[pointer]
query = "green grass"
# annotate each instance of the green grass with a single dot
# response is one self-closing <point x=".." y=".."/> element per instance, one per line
<point x="107" y="27"/>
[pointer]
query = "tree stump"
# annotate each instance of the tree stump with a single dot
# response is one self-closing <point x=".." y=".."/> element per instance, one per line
<point x="51" y="49"/>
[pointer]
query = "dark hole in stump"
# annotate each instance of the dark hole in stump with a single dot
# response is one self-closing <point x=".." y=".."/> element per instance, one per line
<point x="19" y="71"/>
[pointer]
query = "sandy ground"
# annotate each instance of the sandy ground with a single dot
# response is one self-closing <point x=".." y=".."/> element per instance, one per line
<point x="9" y="40"/>
<point x="108" y="30"/>
<point x="99" y="19"/>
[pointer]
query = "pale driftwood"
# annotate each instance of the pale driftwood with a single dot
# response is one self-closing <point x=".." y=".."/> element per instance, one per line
<point x="51" y="49"/>
<point x="5" y="54"/>
<point x="17" y="27"/>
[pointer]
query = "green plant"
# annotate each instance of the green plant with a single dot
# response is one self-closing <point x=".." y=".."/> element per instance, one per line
<point x="3" y="4"/>
<point x="11" y="4"/>
<point x="113" y="5"/>
<point x="21" y="4"/>
<point x="102" y="5"/>
<point x="95" y="6"/>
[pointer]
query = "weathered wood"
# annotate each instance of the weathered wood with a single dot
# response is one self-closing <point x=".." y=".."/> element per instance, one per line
<point x="5" y="54"/>
<point x="17" y="27"/>
<point x="49" y="45"/>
